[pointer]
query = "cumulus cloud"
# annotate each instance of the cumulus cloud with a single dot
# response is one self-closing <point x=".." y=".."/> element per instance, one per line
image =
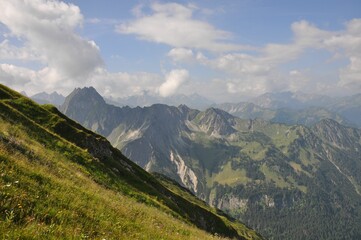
<point x="11" y="52"/>
<point x="15" y="76"/>
<point x="173" y="81"/>
<point x="181" y="54"/>
<point x="348" y="44"/>
<point x="262" y="71"/>
<point x="173" y="24"/>
<point x="48" y="28"/>
<point x="34" y="81"/>
<point x="123" y="84"/>
<point x="350" y="76"/>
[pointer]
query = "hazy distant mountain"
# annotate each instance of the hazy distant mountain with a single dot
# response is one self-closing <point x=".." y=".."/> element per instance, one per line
<point x="53" y="98"/>
<point x="298" y="108"/>
<point x="306" y="116"/>
<point x="293" y="100"/>
<point x="247" y="110"/>
<point x="194" y="100"/>
<point x="288" y="182"/>
<point x="349" y="107"/>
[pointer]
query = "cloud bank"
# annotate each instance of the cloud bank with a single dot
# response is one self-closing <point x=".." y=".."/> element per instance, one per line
<point x="48" y="32"/>
<point x="263" y="71"/>
<point x="174" y="24"/>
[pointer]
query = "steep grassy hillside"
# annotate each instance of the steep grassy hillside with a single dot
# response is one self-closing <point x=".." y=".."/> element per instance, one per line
<point x="59" y="180"/>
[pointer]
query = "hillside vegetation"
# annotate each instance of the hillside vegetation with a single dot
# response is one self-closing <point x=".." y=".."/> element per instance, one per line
<point x="59" y="180"/>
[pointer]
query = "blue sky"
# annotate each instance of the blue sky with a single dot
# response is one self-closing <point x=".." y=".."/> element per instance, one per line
<point x="224" y="50"/>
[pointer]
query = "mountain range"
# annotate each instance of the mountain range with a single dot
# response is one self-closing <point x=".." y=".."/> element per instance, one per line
<point x="348" y="107"/>
<point x="193" y="100"/>
<point x="284" y="107"/>
<point x="60" y="180"/>
<point x="286" y="181"/>
<point x="45" y="98"/>
<point x="307" y="116"/>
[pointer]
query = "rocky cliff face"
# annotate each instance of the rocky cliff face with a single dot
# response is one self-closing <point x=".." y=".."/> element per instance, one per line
<point x="337" y="135"/>
<point x="87" y="107"/>
<point x="216" y="122"/>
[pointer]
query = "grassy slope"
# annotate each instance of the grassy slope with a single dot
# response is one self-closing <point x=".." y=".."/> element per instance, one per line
<point x="59" y="180"/>
<point x="177" y="189"/>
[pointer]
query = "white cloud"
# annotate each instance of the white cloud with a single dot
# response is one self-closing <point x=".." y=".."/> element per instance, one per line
<point x="47" y="30"/>
<point x="181" y="54"/>
<point x="122" y="84"/>
<point x="262" y="72"/>
<point x="307" y="35"/>
<point x="173" y="81"/>
<point x="350" y="76"/>
<point x="239" y="64"/>
<point x="48" y="27"/>
<point x="34" y="81"/>
<point x="11" y="52"/>
<point x="174" y="24"/>
<point x="15" y="76"/>
<point x="348" y="44"/>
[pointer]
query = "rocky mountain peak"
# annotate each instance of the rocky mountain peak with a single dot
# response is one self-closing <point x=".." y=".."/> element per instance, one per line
<point x="217" y="122"/>
<point x="87" y="106"/>
<point x="337" y="134"/>
<point x="86" y="97"/>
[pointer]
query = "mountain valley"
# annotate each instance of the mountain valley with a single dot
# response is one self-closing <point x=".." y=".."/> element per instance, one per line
<point x="286" y="181"/>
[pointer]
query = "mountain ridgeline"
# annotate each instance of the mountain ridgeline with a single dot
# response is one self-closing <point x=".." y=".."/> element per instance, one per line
<point x="286" y="181"/>
<point x="284" y="107"/>
<point x="307" y="116"/>
<point x="298" y="108"/>
<point x="60" y="180"/>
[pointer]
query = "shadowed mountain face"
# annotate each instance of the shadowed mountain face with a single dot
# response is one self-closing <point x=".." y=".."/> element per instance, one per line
<point x="59" y="180"/>
<point x="288" y="182"/>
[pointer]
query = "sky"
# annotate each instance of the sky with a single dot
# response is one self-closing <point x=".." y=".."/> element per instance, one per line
<point x="224" y="50"/>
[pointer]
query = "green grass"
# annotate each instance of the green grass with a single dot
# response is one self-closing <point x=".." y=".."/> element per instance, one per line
<point x="307" y="158"/>
<point x="229" y="176"/>
<point x="47" y="197"/>
<point x="272" y="176"/>
<point x="255" y="150"/>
